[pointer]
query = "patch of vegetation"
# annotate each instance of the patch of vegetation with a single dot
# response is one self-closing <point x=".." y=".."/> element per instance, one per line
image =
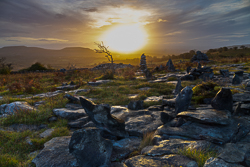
<point x="204" y="90"/>
<point x="15" y="149"/>
<point x="151" y="103"/>
<point x="200" y="156"/>
<point x="147" y="140"/>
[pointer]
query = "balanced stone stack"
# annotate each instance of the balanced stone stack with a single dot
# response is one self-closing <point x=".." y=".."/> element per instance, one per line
<point x="199" y="57"/>
<point x="143" y="63"/>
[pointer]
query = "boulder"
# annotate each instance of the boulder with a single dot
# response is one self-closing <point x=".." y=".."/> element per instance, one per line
<point x="100" y="115"/>
<point x="18" y="106"/>
<point x="183" y="100"/>
<point x="90" y="148"/>
<point x="223" y="100"/>
<point x="239" y="73"/>
<point x="178" y="87"/>
<point x="56" y="153"/>
<point x="170" y="65"/>
<point x="236" y="80"/>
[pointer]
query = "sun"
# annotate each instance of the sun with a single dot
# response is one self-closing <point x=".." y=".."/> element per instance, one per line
<point x="125" y="38"/>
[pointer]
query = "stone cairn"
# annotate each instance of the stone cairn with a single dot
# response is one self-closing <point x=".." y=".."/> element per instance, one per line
<point x="143" y="63"/>
<point x="199" y="57"/>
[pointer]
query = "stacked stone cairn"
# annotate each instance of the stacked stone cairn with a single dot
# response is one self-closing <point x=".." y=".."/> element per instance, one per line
<point x="143" y="63"/>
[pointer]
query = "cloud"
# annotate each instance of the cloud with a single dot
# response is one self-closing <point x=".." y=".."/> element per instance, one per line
<point x="197" y="23"/>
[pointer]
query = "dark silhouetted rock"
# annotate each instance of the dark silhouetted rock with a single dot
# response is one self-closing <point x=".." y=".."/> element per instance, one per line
<point x="224" y="73"/>
<point x="239" y="73"/>
<point x="183" y="99"/>
<point x="187" y="78"/>
<point x="236" y="80"/>
<point x="135" y="105"/>
<point x="71" y="99"/>
<point x="188" y="69"/>
<point x="223" y="100"/>
<point x="100" y="115"/>
<point x="170" y="65"/>
<point x="90" y="148"/>
<point x="167" y="116"/>
<point x="178" y="87"/>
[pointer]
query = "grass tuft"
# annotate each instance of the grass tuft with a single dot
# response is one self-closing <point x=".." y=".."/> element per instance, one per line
<point x="200" y="156"/>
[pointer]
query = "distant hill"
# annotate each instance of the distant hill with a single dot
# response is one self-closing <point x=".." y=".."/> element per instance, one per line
<point x="23" y="57"/>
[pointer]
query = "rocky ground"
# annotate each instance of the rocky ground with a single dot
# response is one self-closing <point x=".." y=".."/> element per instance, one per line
<point x="104" y="135"/>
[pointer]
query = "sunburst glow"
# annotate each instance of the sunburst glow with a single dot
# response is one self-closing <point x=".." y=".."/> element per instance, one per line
<point x="125" y="38"/>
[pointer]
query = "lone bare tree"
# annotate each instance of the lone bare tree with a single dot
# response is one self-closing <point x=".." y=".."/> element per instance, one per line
<point x="104" y="49"/>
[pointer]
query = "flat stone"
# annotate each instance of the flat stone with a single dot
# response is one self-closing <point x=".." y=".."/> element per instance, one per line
<point x="208" y="116"/>
<point x="79" y="123"/>
<point x="56" y="153"/>
<point x="137" y="125"/>
<point x="69" y="114"/>
<point x="122" y="148"/>
<point x="99" y="82"/>
<point x="241" y="97"/>
<point x="234" y="153"/>
<point x="216" y="162"/>
<point x="46" y="133"/>
<point x="173" y="160"/>
<point x="216" y="134"/>
<point x="120" y="112"/>
<point x="66" y="87"/>
<point x="166" y="147"/>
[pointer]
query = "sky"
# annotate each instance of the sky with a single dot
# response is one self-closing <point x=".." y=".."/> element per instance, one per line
<point x="171" y="25"/>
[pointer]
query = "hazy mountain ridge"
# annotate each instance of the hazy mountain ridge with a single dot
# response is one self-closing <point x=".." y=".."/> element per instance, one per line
<point x="23" y="57"/>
